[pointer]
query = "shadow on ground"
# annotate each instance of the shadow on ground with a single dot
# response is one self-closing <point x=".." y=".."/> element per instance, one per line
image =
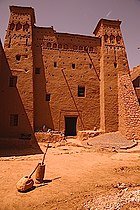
<point x="7" y="152"/>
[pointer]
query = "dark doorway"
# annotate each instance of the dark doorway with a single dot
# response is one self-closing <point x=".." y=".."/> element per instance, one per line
<point x="70" y="126"/>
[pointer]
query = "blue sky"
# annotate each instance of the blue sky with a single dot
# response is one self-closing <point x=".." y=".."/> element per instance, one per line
<point x="82" y="16"/>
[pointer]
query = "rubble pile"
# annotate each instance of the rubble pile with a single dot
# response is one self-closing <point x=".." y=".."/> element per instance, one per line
<point x="115" y="201"/>
<point x="50" y="136"/>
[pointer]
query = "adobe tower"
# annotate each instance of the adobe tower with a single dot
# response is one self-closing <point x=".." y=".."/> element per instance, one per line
<point x="113" y="63"/>
<point x="18" y="49"/>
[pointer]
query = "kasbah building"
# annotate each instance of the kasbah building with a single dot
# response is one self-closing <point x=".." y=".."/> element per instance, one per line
<point x="65" y="82"/>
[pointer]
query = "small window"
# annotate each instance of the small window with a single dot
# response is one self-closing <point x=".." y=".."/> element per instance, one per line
<point x="18" y="26"/>
<point x="37" y="71"/>
<point x="25" y="27"/>
<point x="54" y="45"/>
<point x="18" y="57"/>
<point x="106" y="37"/>
<point x="90" y="65"/>
<point x="9" y="44"/>
<point x="81" y="91"/>
<point x="115" y="65"/>
<point x="12" y="81"/>
<point x="49" y="44"/>
<point x="14" y="120"/>
<point x="73" y="65"/>
<point x="112" y="39"/>
<point x="118" y="39"/>
<point x="60" y="46"/>
<point x="12" y="26"/>
<point x="48" y="97"/>
<point x="55" y="64"/>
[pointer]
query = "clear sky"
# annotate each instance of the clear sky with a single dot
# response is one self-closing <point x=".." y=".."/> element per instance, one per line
<point x="81" y="17"/>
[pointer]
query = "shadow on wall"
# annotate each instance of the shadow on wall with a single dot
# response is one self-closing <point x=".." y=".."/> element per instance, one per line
<point x="41" y="101"/>
<point x="16" y="134"/>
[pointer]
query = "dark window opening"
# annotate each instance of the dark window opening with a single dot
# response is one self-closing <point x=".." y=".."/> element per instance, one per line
<point x="18" y="26"/>
<point x="81" y="91"/>
<point x="12" y="26"/>
<point x="48" y="97"/>
<point x="139" y="100"/>
<point x="118" y="39"/>
<point x="37" y="71"/>
<point x="9" y="44"/>
<point x="12" y="81"/>
<point x="115" y="65"/>
<point x="14" y="120"/>
<point x="73" y="65"/>
<point x="106" y="37"/>
<point x="54" y="45"/>
<point x="18" y="57"/>
<point x="112" y="39"/>
<point x="25" y="27"/>
<point x="90" y="65"/>
<point x="55" y="64"/>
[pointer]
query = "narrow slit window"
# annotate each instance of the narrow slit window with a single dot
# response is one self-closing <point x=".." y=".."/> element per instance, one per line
<point x="90" y="65"/>
<point x="12" y="81"/>
<point x="73" y="65"/>
<point x="115" y="65"/>
<point x="25" y="27"/>
<point x="18" y="57"/>
<point x="81" y="91"/>
<point x="13" y="119"/>
<point x="37" y="71"/>
<point x="48" y="97"/>
<point x="9" y="44"/>
<point x="55" y="64"/>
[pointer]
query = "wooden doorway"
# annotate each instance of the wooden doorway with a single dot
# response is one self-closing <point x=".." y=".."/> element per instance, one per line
<point x="70" y="126"/>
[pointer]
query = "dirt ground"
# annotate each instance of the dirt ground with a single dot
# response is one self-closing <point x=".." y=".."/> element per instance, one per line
<point x="76" y="177"/>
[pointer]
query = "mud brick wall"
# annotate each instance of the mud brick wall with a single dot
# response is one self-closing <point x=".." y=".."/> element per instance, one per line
<point x="129" y="110"/>
<point x="54" y="52"/>
<point x="11" y="131"/>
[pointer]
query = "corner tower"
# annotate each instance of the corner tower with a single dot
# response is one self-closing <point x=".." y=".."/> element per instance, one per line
<point x="112" y="64"/>
<point x="18" y="50"/>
